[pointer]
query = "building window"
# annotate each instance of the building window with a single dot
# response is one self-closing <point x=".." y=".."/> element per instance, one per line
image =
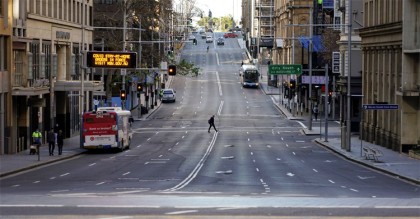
<point x="34" y="49"/>
<point x="3" y="53"/>
<point x="46" y="51"/>
<point x="18" y="67"/>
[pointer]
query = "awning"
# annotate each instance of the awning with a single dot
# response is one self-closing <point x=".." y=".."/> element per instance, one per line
<point x="316" y="42"/>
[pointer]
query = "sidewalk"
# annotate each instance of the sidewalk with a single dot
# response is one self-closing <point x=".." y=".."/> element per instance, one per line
<point x="391" y="162"/>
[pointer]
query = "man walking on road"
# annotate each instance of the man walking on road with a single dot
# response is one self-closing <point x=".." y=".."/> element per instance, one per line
<point x="211" y="123"/>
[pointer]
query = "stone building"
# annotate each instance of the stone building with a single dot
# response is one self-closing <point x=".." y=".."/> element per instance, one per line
<point x="5" y="71"/>
<point x="46" y="68"/>
<point x="391" y="72"/>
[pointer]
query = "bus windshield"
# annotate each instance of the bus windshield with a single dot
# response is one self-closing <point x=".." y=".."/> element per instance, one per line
<point x="251" y="76"/>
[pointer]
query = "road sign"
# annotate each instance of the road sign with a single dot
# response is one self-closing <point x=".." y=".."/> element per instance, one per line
<point x="380" y="106"/>
<point x="336" y="62"/>
<point x="285" y="69"/>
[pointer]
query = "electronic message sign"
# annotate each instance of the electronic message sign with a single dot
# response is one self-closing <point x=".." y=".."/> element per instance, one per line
<point x="111" y="59"/>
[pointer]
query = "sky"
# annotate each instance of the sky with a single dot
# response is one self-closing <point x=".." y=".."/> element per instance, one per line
<point x="221" y="8"/>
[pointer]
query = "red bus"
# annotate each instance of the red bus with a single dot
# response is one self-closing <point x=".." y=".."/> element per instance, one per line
<point x="107" y="128"/>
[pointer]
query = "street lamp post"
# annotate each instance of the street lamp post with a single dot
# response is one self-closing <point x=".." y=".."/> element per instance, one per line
<point x="348" y="121"/>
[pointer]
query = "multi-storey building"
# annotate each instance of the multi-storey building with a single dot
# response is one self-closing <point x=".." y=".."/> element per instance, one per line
<point x="5" y="71"/>
<point x="49" y="38"/>
<point x="258" y="26"/>
<point x="391" y="72"/>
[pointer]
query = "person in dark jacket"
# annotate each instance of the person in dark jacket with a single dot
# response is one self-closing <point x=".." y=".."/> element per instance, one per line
<point x="51" y="142"/>
<point x="60" y="142"/>
<point x="211" y="123"/>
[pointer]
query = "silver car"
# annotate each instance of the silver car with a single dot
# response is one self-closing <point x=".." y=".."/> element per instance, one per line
<point x="168" y="95"/>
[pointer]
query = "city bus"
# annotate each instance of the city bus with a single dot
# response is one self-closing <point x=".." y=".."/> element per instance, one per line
<point x="106" y="128"/>
<point x="249" y="76"/>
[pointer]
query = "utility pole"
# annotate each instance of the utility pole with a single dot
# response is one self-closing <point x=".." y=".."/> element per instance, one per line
<point x="348" y="121"/>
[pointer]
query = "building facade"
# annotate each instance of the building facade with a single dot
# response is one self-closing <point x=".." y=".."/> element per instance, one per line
<point x="258" y="27"/>
<point x="5" y="72"/>
<point x="49" y="38"/>
<point x="391" y="72"/>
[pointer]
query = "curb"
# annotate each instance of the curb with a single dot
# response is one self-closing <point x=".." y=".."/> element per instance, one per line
<point x="417" y="182"/>
<point x="40" y="164"/>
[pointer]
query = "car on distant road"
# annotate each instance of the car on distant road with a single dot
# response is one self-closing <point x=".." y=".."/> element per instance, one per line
<point x="209" y="39"/>
<point x="220" y="41"/>
<point x="230" y="35"/>
<point x="168" y="95"/>
<point x="203" y="36"/>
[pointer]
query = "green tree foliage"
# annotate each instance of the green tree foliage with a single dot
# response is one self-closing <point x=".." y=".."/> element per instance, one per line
<point x="187" y="68"/>
<point x="222" y="24"/>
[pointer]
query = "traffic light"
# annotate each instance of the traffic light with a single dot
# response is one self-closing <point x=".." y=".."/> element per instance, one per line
<point x="292" y="85"/>
<point x="123" y="95"/>
<point x="139" y="88"/>
<point x="172" y="70"/>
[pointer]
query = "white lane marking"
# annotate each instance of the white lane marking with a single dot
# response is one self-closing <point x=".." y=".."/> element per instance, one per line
<point x="249" y="145"/>
<point x="92" y="164"/>
<point x="219" y="111"/>
<point x="331" y="181"/>
<point x="126" y="173"/>
<point x="258" y="170"/>
<point x="294" y="153"/>
<point x="160" y="155"/>
<point x="316" y="171"/>
<point x="157" y="133"/>
<point x="282" y="138"/>
<point x="354" y="190"/>
<point x="248" y="139"/>
<point x="181" y="212"/>
<point x="300" y="141"/>
<point x="17" y="185"/>
<point x="138" y="146"/>
<point x="177" y="143"/>
<point x="287" y="145"/>
<point x="100" y="183"/>
<point x="290" y="174"/>
<point x="269" y="146"/>
<point x="64" y="174"/>
<point x="219" y="84"/>
<point x="183" y="137"/>
<point x="148" y="139"/>
<point x="278" y="158"/>
<point x="301" y="124"/>
<point x="252" y="153"/>
<point x="53" y="177"/>
<point x="197" y="168"/>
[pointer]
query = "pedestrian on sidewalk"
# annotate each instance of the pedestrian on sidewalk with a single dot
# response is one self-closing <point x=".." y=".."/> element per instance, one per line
<point x="37" y="137"/>
<point x="56" y="129"/>
<point x="211" y="123"/>
<point x="60" y="142"/>
<point x="51" y="142"/>
<point x="315" y="111"/>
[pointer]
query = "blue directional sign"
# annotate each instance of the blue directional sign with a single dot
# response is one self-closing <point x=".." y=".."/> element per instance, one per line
<point x="380" y="106"/>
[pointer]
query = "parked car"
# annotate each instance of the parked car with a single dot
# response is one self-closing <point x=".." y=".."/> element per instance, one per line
<point x="168" y="95"/>
<point x="203" y="36"/>
<point x="229" y="35"/>
<point x="209" y="39"/>
<point x="220" y="41"/>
